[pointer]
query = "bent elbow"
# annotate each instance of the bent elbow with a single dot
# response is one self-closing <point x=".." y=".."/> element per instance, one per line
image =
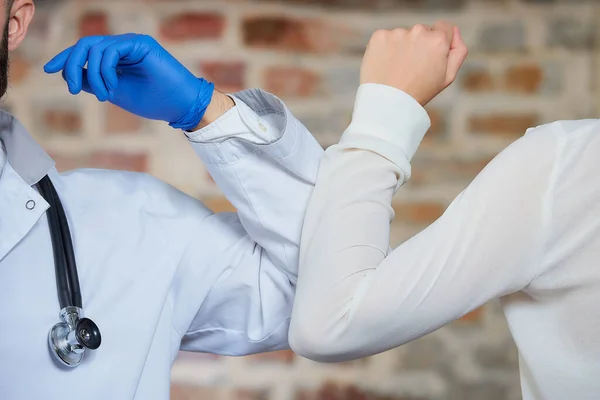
<point x="309" y="339"/>
<point x="308" y="346"/>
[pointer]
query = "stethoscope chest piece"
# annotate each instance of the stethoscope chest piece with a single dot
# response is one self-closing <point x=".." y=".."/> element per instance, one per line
<point x="69" y="338"/>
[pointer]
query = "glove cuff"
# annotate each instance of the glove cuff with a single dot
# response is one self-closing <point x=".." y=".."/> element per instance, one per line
<point x="192" y="118"/>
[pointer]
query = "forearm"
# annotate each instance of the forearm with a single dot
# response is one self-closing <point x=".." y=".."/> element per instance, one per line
<point x="355" y="299"/>
<point x="265" y="162"/>
<point x="219" y="105"/>
<point x="345" y="240"/>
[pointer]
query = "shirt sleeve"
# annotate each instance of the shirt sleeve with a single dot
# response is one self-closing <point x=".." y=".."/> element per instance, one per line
<point x="355" y="297"/>
<point x="235" y="287"/>
<point x="240" y="122"/>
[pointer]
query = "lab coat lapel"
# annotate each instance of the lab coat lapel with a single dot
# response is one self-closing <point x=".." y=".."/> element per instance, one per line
<point x="20" y="208"/>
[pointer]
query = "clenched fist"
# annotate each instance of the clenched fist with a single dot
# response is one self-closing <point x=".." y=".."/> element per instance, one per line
<point x="422" y="61"/>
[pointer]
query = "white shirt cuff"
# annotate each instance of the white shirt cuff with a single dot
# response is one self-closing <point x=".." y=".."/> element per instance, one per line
<point x="239" y="122"/>
<point x="258" y="122"/>
<point x="389" y="122"/>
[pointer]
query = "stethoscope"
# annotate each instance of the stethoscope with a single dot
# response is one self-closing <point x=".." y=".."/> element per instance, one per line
<point x="69" y="338"/>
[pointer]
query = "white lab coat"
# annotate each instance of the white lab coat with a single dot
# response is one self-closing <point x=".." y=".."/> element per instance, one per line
<point x="159" y="272"/>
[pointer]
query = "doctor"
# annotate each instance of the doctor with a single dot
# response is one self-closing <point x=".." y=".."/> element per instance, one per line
<point x="152" y="271"/>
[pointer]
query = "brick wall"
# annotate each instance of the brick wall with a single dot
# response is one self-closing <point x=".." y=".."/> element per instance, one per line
<point x="531" y="62"/>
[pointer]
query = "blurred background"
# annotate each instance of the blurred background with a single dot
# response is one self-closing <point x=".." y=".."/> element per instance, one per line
<point x="531" y="62"/>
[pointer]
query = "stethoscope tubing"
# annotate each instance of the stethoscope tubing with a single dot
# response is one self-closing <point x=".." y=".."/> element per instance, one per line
<point x="67" y="280"/>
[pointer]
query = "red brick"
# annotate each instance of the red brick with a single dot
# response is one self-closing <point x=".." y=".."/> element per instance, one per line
<point x="118" y="160"/>
<point x="67" y="122"/>
<point x="472" y="317"/>
<point x="477" y="81"/>
<point x="119" y="120"/>
<point x="284" y="33"/>
<point x="331" y="391"/>
<point x="19" y="69"/>
<point x="291" y="81"/>
<point x="370" y="6"/>
<point x="228" y="77"/>
<point x="191" y="392"/>
<point x="218" y="204"/>
<point x="507" y="125"/>
<point x="335" y="391"/>
<point x="523" y="78"/>
<point x="193" y="25"/>
<point x="282" y="356"/>
<point x="137" y="162"/>
<point x="418" y="212"/>
<point x="94" y="24"/>
<point x="68" y="162"/>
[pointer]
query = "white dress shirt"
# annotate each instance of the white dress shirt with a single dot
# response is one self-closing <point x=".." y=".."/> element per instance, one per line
<point x="527" y="230"/>
<point x="158" y="270"/>
<point x="2" y="158"/>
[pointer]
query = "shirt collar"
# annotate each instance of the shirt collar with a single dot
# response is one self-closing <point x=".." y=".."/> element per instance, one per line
<point x="23" y="153"/>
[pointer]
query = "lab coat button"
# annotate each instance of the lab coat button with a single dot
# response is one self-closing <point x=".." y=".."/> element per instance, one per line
<point x="262" y="127"/>
<point x="30" y="205"/>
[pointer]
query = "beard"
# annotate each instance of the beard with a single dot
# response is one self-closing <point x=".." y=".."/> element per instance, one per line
<point x="4" y="62"/>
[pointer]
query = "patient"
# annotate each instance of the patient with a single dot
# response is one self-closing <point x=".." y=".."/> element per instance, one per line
<point x="529" y="223"/>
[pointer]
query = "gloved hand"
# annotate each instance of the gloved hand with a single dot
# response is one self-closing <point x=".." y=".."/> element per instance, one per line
<point x="137" y="74"/>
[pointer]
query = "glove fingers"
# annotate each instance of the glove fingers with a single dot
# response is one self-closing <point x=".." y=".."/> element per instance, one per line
<point x="108" y="68"/>
<point x="77" y="61"/>
<point x="94" y="76"/>
<point x="57" y="63"/>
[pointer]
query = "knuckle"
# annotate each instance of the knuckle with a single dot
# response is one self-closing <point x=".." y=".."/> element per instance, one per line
<point x="95" y="50"/>
<point x="105" y="62"/>
<point x="147" y="38"/>
<point x="88" y="40"/>
<point x="418" y="28"/>
<point x="399" y="33"/>
<point x="439" y="38"/>
<point x="379" y="35"/>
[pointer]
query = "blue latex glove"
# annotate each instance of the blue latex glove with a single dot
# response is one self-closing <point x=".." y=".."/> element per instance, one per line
<point x="137" y="74"/>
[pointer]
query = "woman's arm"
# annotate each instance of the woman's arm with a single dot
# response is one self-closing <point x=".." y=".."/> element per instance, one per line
<point x="355" y="298"/>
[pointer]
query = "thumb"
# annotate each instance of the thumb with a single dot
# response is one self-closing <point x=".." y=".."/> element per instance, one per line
<point x="457" y="55"/>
